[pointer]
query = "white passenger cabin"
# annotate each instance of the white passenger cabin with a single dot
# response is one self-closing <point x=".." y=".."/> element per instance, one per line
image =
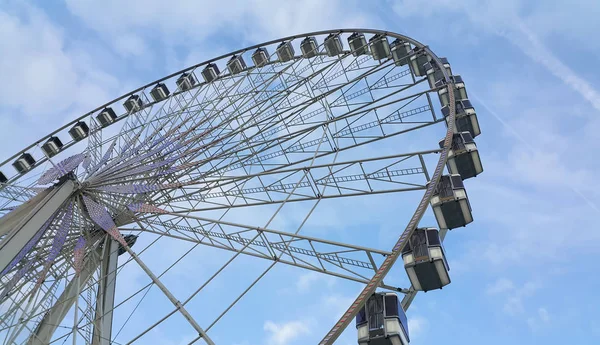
<point x="24" y="163"/>
<point x="285" y="51"/>
<point x="333" y="45"/>
<point x="358" y="44"/>
<point x="463" y="156"/>
<point x="380" y="47"/>
<point x="210" y="72"/>
<point x="382" y="321"/>
<point x="309" y="46"/>
<point x="260" y="57"/>
<point x="425" y="261"/>
<point x="450" y="203"/>
<point x="236" y="64"/>
<point x="52" y="146"/>
<point x="79" y="131"/>
<point x="159" y="92"/>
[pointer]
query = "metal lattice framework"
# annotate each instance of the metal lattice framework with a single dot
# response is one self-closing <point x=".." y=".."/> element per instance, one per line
<point x="291" y="132"/>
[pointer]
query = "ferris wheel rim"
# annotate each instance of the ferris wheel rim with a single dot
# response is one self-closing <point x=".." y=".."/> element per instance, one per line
<point x="376" y="280"/>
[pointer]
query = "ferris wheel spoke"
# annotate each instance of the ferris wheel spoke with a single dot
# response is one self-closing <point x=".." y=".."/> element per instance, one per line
<point x="328" y="257"/>
<point x="301" y="182"/>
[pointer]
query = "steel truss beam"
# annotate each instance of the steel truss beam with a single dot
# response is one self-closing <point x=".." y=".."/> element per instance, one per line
<point x="333" y="258"/>
<point x="106" y="293"/>
<point x="55" y="315"/>
<point x="28" y="226"/>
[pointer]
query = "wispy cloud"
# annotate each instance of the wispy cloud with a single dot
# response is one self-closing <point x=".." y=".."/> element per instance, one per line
<point x="284" y="333"/>
<point x="502" y="18"/>
<point x="523" y="37"/>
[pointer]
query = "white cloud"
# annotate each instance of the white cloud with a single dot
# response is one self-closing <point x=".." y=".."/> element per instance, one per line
<point x="335" y="305"/>
<point x="501" y="285"/>
<point x="543" y="314"/>
<point x="307" y="280"/>
<point x="416" y="326"/>
<point x="541" y="318"/>
<point x="285" y="333"/>
<point x="183" y="21"/>
<point x="531" y="45"/>
<point x="130" y="45"/>
<point x="513" y="305"/>
<point x="38" y="74"/>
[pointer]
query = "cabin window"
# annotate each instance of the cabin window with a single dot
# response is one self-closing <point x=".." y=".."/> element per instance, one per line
<point x="432" y="236"/>
<point x="375" y="312"/>
<point x="391" y="306"/>
<point x="418" y="243"/>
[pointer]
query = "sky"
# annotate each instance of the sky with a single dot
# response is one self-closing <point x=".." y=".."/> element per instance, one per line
<point x="522" y="273"/>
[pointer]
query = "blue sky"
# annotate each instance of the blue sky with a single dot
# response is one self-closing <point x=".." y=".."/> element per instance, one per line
<point x="523" y="273"/>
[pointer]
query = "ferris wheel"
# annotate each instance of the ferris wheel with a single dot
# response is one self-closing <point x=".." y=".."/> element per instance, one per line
<point x="213" y="156"/>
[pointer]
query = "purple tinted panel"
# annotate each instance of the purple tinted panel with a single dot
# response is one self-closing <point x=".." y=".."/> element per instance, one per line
<point x="127" y="150"/>
<point x="41" y="277"/>
<point x="25" y="250"/>
<point x="61" y="234"/>
<point x="103" y="219"/>
<point x="138" y="188"/>
<point x="79" y="253"/>
<point x="116" y="234"/>
<point x="61" y="169"/>
<point x="98" y="214"/>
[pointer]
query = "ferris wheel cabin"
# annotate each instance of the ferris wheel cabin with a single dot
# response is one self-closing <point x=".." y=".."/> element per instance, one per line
<point x="333" y="45"/>
<point x="382" y="321"/>
<point x="450" y="203"/>
<point x="133" y="103"/>
<point x="425" y="261"/>
<point x="358" y="44"/>
<point x="463" y="156"/>
<point x="260" y="57"/>
<point x="210" y="72"/>
<point x="400" y="52"/>
<point x="236" y="64"/>
<point x="186" y="81"/>
<point x="107" y="116"/>
<point x="434" y="73"/>
<point x="465" y="117"/>
<point x="3" y="178"/>
<point x="159" y="92"/>
<point x="418" y="59"/>
<point x="380" y="47"/>
<point x="460" y="92"/>
<point x="285" y="52"/>
<point x="309" y="46"/>
<point x="52" y="146"/>
<point x="24" y="163"/>
<point x="79" y="131"/>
